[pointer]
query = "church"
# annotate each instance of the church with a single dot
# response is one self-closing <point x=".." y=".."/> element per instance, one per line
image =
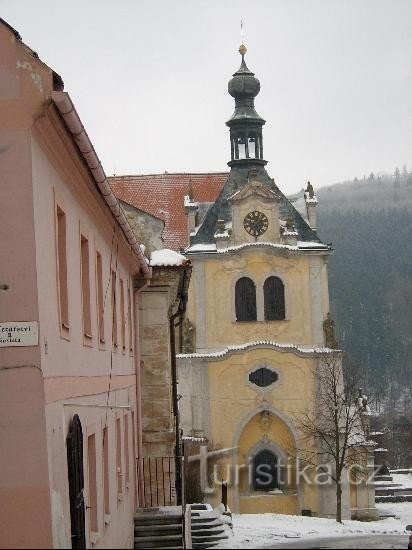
<point x="257" y="322"/>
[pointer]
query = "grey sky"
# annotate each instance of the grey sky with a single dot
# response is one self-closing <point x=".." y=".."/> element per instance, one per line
<point x="149" y="80"/>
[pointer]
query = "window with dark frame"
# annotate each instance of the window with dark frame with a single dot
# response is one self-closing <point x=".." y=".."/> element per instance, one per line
<point x="114" y="310"/>
<point x="62" y="268"/>
<point x="265" y="471"/>
<point x="100" y="299"/>
<point x="245" y="300"/>
<point x="263" y="377"/>
<point x="85" y="280"/>
<point x="274" y="296"/>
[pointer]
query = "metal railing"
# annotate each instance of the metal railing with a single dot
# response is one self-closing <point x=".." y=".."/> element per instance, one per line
<point x="158" y="475"/>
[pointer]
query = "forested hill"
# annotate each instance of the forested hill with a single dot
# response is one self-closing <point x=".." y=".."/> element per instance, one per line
<point x="369" y="222"/>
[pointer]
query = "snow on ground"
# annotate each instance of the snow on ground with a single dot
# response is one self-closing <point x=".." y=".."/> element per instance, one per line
<point x="259" y="530"/>
<point x="402" y="510"/>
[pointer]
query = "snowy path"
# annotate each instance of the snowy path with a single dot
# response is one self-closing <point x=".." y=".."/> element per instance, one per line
<point x="265" y="530"/>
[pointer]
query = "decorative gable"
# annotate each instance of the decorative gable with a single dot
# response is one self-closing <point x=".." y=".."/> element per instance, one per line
<point x="255" y="214"/>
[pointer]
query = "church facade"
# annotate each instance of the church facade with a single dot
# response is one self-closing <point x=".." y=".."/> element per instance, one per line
<point x="257" y="311"/>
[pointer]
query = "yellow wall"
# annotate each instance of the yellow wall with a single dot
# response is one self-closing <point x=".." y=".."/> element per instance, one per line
<point x="233" y="398"/>
<point x="220" y="276"/>
<point x="235" y="421"/>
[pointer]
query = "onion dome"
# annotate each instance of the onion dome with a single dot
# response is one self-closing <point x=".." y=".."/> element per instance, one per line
<point x="244" y="84"/>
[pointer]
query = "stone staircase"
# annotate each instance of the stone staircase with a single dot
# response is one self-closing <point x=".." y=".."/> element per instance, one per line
<point x="388" y="491"/>
<point x="208" y="529"/>
<point x="158" y="528"/>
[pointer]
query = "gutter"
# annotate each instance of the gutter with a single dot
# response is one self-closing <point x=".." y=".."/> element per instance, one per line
<point x="72" y="120"/>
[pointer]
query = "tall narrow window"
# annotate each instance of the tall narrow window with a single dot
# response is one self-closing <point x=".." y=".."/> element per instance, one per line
<point x="62" y="268"/>
<point x="85" y="275"/>
<point x="119" y="473"/>
<point x="114" y="310"/>
<point x="265" y="471"/>
<point x="245" y="300"/>
<point x="91" y="452"/>
<point x="130" y="318"/>
<point x="106" y="486"/>
<point x="274" y="293"/>
<point x="100" y="297"/>
<point x="122" y="316"/>
<point x="126" y="448"/>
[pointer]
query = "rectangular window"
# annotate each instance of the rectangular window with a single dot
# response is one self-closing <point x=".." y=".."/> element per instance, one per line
<point x="130" y="318"/>
<point x="62" y="268"/>
<point x="85" y="275"/>
<point x="106" y="486"/>
<point x="126" y="448"/>
<point x="100" y="297"/>
<point x="91" y="453"/>
<point x="114" y="310"/>
<point x="119" y="457"/>
<point x="122" y="316"/>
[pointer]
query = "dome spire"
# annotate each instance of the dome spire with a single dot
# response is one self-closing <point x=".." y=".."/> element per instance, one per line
<point x="245" y="124"/>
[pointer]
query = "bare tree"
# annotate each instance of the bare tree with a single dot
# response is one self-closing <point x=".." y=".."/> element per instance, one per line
<point x="335" y="431"/>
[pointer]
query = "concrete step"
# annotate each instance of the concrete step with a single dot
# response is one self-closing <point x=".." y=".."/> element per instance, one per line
<point x="394" y="498"/>
<point x="208" y="532"/>
<point x="203" y="518"/>
<point x="206" y="525"/>
<point x="200" y="507"/>
<point x="159" y="528"/>
<point x="172" y="539"/>
<point x="157" y="519"/>
<point x="204" y="545"/>
<point x="383" y="478"/>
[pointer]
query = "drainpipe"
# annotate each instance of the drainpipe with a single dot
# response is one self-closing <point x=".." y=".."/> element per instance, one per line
<point x="139" y="440"/>
<point x="179" y="315"/>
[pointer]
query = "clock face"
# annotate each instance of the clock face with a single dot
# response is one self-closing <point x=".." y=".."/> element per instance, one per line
<point x="255" y="223"/>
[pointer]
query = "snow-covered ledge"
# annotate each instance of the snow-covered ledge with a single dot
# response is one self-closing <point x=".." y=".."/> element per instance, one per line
<point x="285" y="348"/>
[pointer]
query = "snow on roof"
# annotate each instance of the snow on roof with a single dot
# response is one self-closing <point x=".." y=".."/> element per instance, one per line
<point x="299" y="246"/>
<point x="291" y="348"/>
<point x="167" y="257"/>
<point x="189" y="203"/>
<point x="309" y="199"/>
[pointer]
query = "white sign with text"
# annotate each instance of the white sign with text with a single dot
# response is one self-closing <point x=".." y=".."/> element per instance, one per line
<point x="19" y="334"/>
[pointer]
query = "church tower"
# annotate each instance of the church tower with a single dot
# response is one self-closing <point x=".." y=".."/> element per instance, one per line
<point x="258" y="300"/>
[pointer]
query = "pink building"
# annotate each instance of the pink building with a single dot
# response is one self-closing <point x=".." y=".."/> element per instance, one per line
<point x="71" y="271"/>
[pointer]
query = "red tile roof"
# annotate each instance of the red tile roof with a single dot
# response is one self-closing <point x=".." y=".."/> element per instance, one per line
<point x="162" y="196"/>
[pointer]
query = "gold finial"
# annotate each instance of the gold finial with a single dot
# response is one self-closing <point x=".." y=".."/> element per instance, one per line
<point x="242" y="49"/>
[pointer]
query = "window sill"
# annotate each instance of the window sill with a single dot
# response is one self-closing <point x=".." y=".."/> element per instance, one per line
<point x="87" y="340"/>
<point x="65" y="332"/>
<point x="94" y="537"/>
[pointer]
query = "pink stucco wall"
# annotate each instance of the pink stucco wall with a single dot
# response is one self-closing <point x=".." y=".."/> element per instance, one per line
<point x="42" y="387"/>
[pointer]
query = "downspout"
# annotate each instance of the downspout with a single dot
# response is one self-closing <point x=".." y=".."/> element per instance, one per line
<point x="139" y="439"/>
<point x="179" y="315"/>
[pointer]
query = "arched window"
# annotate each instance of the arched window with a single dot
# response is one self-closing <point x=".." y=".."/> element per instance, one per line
<point x="265" y="471"/>
<point x="245" y="300"/>
<point x="274" y="293"/>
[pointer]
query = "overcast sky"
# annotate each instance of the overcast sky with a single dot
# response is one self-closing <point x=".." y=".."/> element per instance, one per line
<point x="149" y="80"/>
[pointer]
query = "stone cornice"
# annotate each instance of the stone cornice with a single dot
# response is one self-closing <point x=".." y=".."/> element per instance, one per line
<point x="222" y="354"/>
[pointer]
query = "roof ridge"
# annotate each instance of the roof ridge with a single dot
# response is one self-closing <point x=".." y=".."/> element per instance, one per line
<point x="171" y="174"/>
